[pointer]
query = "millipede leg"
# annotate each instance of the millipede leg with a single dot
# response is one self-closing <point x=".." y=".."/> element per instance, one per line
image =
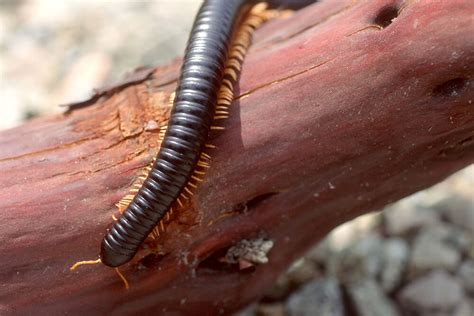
<point x="125" y="282"/>
<point x="83" y="263"/>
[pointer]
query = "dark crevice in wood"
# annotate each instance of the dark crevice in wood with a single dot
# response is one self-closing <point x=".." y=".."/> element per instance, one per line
<point x="451" y="88"/>
<point x="253" y="202"/>
<point x="385" y="16"/>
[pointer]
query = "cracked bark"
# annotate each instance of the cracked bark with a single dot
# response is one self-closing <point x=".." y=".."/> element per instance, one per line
<point x="310" y="144"/>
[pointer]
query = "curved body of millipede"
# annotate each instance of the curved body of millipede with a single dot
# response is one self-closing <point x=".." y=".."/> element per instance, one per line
<point x="191" y="119"/>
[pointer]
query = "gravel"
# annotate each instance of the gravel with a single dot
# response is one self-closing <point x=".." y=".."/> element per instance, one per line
<point x="322" y="297"/>
<point x="465" y="273"/>
<point x="395" y="255"/>
<point x="414" y="258"/>
<point x="369" y="299"/>
<point x="431" y="250"/>
<point x="435" y="292"/>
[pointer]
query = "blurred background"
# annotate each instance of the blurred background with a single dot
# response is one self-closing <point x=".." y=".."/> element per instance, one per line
<point x="54" y="52"/>
<point x="414" y="258"/>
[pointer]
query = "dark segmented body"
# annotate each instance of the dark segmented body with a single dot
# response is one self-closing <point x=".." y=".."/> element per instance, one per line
<point x="189" y="124"/>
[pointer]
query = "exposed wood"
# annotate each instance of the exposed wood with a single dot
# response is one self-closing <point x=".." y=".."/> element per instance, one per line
<point x="336" y="117"/>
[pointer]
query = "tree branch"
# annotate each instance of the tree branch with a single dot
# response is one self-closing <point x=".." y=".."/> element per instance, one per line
<point x="336" y="116"/>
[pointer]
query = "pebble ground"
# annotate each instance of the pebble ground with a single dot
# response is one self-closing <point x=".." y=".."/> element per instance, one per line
<point x="416" y="257"/>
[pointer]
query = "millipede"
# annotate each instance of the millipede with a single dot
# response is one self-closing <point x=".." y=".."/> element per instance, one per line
<point x="213" y="57"/>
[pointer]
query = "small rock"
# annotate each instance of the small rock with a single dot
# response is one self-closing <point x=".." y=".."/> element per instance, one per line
<point x="276" y="309"/>
<point x="406" y="216"/>
<point x="322" y="298"/>
<point x="459" y="210"/>
<point x="436" y="247"/>
<point x="451" y="235"/>
<point x="435" y="292"/>
<point x="395" y="256"/>
<point x="466" y="275"/>
<point x="362" y="259"/>
<point x="369" y="299"/>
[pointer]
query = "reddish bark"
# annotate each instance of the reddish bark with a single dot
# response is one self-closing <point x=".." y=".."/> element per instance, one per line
<point x="335" y="118"/>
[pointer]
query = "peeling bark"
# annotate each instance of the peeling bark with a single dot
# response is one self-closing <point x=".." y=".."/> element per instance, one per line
<point x="336" y="116"/>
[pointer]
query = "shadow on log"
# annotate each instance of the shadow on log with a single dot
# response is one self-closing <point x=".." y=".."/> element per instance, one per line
<point x="342" y="108"/>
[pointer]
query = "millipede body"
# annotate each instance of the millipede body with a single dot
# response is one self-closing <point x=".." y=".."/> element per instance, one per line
<point x="192" y="115"/>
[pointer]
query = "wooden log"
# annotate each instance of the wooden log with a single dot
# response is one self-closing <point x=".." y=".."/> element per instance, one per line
<point x="340" y="110"/>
